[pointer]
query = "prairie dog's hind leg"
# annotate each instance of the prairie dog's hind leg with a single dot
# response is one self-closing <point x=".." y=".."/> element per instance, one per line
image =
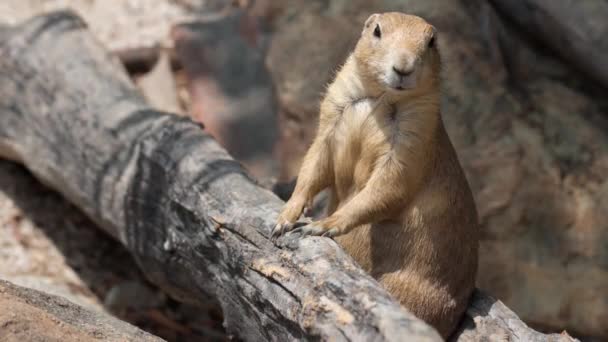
<point x="424" y="298"/>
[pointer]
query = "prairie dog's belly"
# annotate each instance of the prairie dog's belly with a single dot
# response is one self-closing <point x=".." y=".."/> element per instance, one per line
<point x="355" y="149"/>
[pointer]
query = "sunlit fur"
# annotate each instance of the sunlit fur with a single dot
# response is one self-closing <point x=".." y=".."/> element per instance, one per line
<point x="399" y="199"/>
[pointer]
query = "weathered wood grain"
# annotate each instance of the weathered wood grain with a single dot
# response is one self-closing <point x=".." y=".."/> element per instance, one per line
<point x="488" y="319"/>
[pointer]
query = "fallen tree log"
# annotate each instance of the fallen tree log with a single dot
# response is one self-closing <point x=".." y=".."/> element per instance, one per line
<point x="488" y="319"/>
<point x="192" y="218"/>
<point x="30" y="315"/>
<point x="194" y="221"/>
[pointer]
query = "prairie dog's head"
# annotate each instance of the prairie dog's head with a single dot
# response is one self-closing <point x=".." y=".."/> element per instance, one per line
<point x="397" y="52"/>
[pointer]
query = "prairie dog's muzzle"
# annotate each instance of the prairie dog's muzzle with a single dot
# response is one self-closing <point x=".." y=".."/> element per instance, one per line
<point x="402" y="72"/>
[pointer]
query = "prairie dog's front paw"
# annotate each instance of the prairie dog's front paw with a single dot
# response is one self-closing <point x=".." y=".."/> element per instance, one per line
<point x="283" y="225"/>
<point x="326" y="227"/>
<point x="288" y="217"/>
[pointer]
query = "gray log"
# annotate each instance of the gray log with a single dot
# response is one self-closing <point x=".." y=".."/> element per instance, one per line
<point x="488" y="319"/>
<point x="31" y="315"/>
<point x="194" y="221"/>
<point x="192" y="218"/>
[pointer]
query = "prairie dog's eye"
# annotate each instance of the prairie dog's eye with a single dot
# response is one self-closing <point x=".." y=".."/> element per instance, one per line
<point x="377" y="32"/>
<point x="432" y="42"/>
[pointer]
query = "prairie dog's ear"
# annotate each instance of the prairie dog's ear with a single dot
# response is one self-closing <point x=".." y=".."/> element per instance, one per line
<point x="370" y="21"/>
<point x="432" y="37"/>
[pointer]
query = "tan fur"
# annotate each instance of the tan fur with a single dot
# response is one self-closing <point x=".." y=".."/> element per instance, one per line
<point x="400" y="203"/>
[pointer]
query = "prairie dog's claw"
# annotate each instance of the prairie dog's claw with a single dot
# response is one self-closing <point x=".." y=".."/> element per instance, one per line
<point x="307" y="230"/>
<point x="314" y="229"/>
<point x="331" y="233"/>
<point x="280" y="229"/>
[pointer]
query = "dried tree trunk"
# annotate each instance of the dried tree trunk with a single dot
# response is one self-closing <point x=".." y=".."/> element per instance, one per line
<point x="194" y="221"/>
<point x="30" y="315"/>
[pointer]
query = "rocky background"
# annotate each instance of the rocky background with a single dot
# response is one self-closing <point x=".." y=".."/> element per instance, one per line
<point x="524" y="104"/>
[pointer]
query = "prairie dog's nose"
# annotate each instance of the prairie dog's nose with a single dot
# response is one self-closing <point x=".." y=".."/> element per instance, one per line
<point x="402" y="71"/>
<point x="403" y="64"/>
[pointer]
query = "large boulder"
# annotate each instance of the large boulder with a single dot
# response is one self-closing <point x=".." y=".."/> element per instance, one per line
<point x="529" y="129"/>
<point x="230" y="90"/>
<point x="574" y="30"/>
<point x="302" y="67"/>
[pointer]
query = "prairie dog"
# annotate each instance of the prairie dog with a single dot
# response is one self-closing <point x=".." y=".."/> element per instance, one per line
<point x="400" y="203"/>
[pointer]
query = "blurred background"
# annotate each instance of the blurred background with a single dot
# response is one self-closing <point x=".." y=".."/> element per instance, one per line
<point x="524" y="102"/>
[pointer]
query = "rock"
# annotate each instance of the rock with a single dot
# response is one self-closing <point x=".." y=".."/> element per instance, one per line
<point x="300" y="71"/>
<point x="579" y="25"/>
<point x="57" y="288"/>
<point x="528" y="129"/>
<point x="37" y="316"/>
<point x="133" y="295"/>
<point x="229" y="86"/>
<point x="159" y="88"/>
